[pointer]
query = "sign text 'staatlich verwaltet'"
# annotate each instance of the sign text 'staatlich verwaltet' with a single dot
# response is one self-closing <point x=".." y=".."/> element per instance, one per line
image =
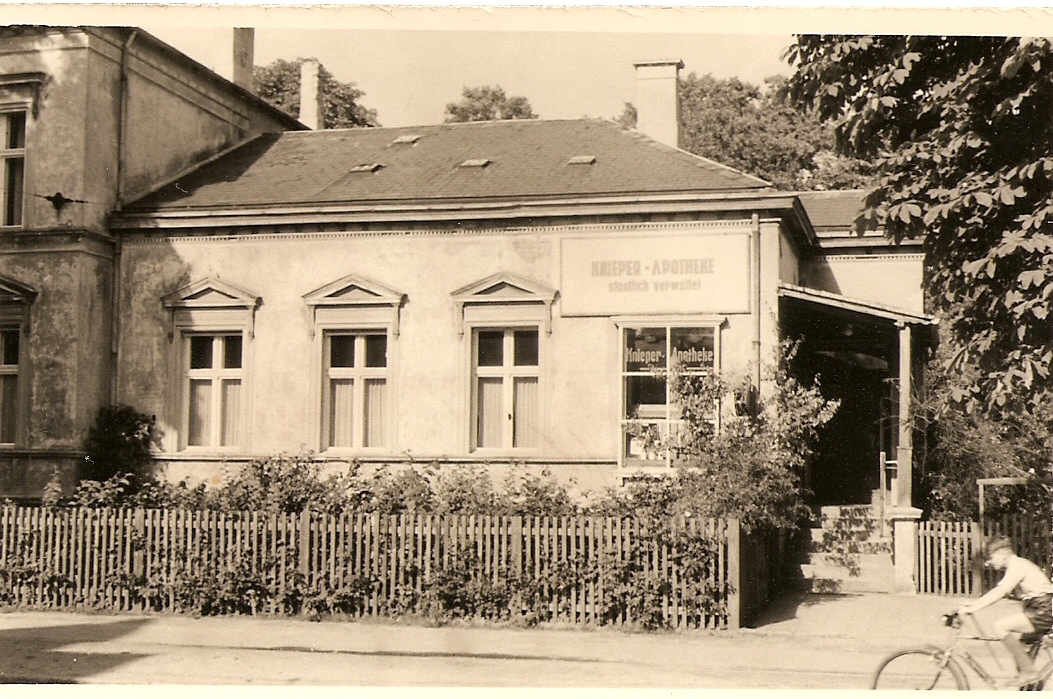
<point x="658" y="268"/>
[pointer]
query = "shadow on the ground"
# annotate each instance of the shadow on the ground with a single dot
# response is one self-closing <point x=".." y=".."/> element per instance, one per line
<point x="35" y="655"/>
<point x="788" y="605"/>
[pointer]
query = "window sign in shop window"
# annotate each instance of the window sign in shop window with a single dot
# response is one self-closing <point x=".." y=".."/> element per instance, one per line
<point x="650" y="416"/>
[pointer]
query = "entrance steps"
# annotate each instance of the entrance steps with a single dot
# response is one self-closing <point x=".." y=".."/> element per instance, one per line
<point x="846" y="553"/>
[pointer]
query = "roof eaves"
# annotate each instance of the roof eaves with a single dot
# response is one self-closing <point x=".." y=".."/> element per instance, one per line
<point x="827" y="298"/>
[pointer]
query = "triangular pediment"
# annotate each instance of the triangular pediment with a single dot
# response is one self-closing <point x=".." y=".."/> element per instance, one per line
<point x="12" y="291"/>
<point x="505" y="287"/>
<point x="353" y="290"/>
<point x="210" y="293"/>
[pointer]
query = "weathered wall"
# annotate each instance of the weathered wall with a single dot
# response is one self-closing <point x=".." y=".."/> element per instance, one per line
<point x="580" y="371"/>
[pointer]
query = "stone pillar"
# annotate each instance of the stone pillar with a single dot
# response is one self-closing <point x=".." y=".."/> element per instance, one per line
<point x="905" y="548"/>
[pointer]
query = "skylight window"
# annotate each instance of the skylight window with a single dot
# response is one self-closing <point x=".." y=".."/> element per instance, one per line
<point x="366" y="167"/>
<point x="476" y="162"/>
<point x="582" y="160"/>
<point x="409" y="138"/>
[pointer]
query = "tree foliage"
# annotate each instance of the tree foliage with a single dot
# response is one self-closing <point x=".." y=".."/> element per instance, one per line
<point x="759" y="132"/>
<point x="279" y="84"/>
<point x="487" y="103"/>
<point x="960" y="131"/>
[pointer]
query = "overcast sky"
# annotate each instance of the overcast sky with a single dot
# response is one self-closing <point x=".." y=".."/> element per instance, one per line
<point x="409" y="75"/>
<point x="569" y="61"/>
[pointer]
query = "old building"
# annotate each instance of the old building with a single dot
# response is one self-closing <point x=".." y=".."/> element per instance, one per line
<point x="494" y="293"/>
<point x="91" y="118"/>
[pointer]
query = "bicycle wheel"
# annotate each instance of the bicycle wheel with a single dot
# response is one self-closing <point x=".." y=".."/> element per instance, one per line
<point x="919" y="668"/>
<point x="1042" y="657"/>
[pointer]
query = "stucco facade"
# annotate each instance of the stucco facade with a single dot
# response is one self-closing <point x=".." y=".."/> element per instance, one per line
<point x="93" y="117"/>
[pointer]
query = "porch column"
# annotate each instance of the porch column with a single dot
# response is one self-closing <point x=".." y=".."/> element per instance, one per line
<point x="903" y="515"/>
<point x="902" y="492"/>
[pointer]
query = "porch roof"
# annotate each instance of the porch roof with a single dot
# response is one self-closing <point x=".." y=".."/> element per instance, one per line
<point x="831" y="300"/>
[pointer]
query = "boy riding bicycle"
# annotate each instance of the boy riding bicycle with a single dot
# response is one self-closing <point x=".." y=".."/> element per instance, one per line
<point x="1033" y="588"/>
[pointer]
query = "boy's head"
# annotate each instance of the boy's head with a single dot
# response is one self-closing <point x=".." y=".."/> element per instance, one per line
<point x="998" y="550"/>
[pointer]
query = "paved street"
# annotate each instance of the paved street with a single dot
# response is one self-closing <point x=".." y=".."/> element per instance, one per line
<point x="802" y="642"/>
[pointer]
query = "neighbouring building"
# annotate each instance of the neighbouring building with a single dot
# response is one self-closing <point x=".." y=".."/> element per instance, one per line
<point x="91" y="118"/>
<point x="490" y="293"/>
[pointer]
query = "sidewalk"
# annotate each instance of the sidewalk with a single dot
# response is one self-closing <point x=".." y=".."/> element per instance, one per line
<point x="803" y="641"/>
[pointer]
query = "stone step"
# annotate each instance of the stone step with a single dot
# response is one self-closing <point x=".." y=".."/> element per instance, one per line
<point x="834" y="536"/>
<point x="833" y="578"/>
<point x="850" y="586"/>
<point x="867" y="559"/>
<point x="847" y="511"/>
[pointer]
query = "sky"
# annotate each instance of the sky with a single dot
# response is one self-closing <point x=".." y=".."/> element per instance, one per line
<point x="568" y="61"/>
<point x="409" y="75"/>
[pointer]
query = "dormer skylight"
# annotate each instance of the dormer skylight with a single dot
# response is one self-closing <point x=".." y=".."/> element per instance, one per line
<point x="582" y="160"/>
<point x="476" y="162"/>
<point x="366" y="167"/>
<point x="406" y="139"/>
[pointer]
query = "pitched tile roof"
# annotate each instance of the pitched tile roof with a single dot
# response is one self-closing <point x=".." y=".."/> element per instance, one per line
<point x="526" y="158"/>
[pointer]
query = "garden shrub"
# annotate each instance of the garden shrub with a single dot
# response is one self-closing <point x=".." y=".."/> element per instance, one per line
<point x="118" y="443"/>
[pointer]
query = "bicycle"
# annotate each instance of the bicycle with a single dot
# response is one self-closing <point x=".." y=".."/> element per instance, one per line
<point x="932" y="667"/>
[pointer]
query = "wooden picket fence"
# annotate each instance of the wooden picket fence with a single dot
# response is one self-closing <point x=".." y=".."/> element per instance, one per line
<point x="131" y="559"/>
<point x="950" y="557"/>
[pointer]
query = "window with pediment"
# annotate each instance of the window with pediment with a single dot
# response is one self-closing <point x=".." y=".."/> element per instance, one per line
<point x="506" y="318"/>
<point x="212" y="329"/>
<point x="356" y="323"/>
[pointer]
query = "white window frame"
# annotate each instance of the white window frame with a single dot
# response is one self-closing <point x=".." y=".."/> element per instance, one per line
<point x="508" y="372"/>
<point x="9" y="154"/>
<point x="217" y="375"/>
<point x="505" y="302"/>
<point x="671" y="411"/>
<point x="354" y="305"/>
<point x="210" y="307"/>
<point x="359" y="375"/>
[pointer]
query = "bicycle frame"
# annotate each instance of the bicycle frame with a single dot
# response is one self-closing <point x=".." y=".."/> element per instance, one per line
<point x="953" y="651"/>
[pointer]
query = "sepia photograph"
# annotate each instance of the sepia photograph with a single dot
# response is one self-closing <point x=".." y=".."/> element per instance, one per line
<point x="589" y="348"/>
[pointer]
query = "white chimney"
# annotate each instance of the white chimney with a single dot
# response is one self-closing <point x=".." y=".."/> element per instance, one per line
<point x="243" y="54"/>
<point x="657" y="100"/>
<point x="312" y="111"/>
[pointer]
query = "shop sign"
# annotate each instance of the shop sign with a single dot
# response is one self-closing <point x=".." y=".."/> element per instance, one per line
<point x="674" y="273"/>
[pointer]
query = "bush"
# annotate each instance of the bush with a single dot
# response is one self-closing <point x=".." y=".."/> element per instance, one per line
<point x="118" y="444"/>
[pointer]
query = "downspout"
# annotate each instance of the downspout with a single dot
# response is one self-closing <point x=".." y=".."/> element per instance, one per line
<point x="755" y="252"/>
<point x="115" y="298"/>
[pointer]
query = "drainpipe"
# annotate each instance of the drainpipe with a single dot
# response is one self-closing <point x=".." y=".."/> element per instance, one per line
<point x="755" y="251"/>
<point x="122" y="145"/>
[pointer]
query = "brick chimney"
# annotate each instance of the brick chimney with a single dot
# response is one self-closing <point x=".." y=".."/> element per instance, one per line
<point x="657" y="100"/>
<point x="312" y="111"/>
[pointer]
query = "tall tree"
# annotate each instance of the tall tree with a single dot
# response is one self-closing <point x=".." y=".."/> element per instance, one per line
<point x="960" y="130"/>
<point x="488" y="104"/>
<point x="758" y="131"/>
<point x="279" y="84"/>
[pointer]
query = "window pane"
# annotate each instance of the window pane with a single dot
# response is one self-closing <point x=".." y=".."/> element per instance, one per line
<point x="201" y="352"/>
<point x="374" y="432"/>
<point x="526" y="347"/>
<point x="231" y="427"/>
<point x="342" y="351"/>
<point x="16" y="130"/>
<point x="491" y="348"/>
<point x="10" y="357"/>
<point x="644" y="349"/>
<point x="693" y="347"/>
<point x="644" y="396"/>
<point x="13" y="191"/>
<point x="376" y="350"/>
<point x="341" y="393"/>
<point x="8" y="408"/>
<point x="491" y="414"/>
<point x="232" y="352"/>
<point x="198" y="432"/>
<point x="525" y="427"/>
